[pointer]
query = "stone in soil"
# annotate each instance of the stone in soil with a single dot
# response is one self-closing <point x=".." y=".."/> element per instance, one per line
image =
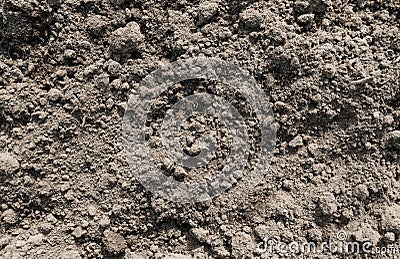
<point x="114" y="242"/>
<point x="9" y="217"/>
<point x="95" y="25"/>
<point x="36" y="239"/>
<point x="54" y="95"/>
<point x="305" y="18"/>
<point x="78" y="232"/>
<point x="200" y="234"/>
<point x="251" y="19"/>
<point x="391" y="219"/>
<point x="296" y="142"/>
<point x="361" y="192"/>
<point x="327" y="204"/>
<point x="126" y="39"/>
<point x="205" y="12"/>
<point x="8" y="163"/>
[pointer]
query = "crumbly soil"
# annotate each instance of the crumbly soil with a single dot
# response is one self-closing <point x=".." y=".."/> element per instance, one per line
<point x="68" y="67"/>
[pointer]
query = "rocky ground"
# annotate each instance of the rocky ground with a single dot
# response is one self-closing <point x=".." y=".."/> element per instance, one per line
<point x="67" y="68"/>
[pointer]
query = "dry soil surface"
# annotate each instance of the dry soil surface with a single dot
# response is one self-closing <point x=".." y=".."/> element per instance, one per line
<point x="68" y="67"/>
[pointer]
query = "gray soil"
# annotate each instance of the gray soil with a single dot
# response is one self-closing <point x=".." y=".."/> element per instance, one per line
<point x="67" y="68"/>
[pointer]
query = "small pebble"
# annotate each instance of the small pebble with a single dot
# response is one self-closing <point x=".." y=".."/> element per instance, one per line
<point x="70" y="54"/>
<point x="329" y="71"/>
<point x="205" y="12"/>
<point x="113" y="68"/>
<point x="20" y="244"/>
<point x="296" y="142"/>
<point x="9" y="217"/>
<point x="8" y="163"/>
<point x="251" y="18"/>
<point x="306" y="18"/>
<point x="109" y="103"/>
<point x="104" y="221"/>
<point x="200" y="234"/>
<point x="287" y="185"/>
<point x="361" y="192"/>
<point x="127" y="38"/>
<point x="78" y="232"/>
<point x="51" y="218"/>
<point x="36" y="239"/>
<point x="388" y="120"/>
<point x="95" y="25"/>
<point x="114" y="242"/>
<point x="54" y="95"/>
<point x="376" y="115"/>
<point x="327" y="204"/>
<point x="84" y="223"/>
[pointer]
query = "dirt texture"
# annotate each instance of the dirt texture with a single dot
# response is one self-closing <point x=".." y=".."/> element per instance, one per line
<point x="331" y="69"/>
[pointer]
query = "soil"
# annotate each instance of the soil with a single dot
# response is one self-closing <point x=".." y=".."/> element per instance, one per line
<point x="67" y="69"/>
